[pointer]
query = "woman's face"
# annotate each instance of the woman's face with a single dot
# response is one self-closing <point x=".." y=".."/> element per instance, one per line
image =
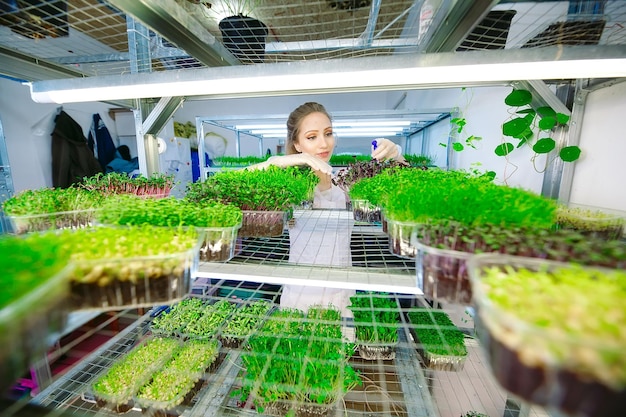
<point x="315" y="136"/>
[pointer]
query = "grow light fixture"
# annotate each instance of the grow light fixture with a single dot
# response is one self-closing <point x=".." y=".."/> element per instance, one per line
<point x="370" y="128"/>
<point x="388" y="73"/>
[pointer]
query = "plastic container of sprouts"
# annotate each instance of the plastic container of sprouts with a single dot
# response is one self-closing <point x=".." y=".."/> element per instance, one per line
<point x="553" y="332"/>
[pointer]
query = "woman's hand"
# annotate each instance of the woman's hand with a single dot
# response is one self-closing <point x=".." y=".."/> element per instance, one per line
<point x="318" y="165"/>
<point x="386" y="149"/>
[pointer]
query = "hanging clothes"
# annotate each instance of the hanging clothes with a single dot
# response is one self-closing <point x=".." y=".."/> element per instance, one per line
<point x="100" y="141"/>
<point x="72" y="160"/>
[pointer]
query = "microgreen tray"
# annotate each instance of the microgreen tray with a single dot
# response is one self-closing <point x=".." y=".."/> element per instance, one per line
<point x="364" y="211"/>
<point x="442" y="274"/>
<point x="219" y="243"/>
<point x="400" y="237"/>
<point x="76" y="219"/>
<point x="553" y="332"/>
<point x="440" y="343"/>
<point x="116" y="387"/>
<point x="27" y="322"/>
<point x="592" y="221"/>
<point x="262" y="223"/>
<point x="179" y="379"/>
<point x="132" y="282"/>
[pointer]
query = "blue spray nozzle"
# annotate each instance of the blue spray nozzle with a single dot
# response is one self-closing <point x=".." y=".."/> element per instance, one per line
<point x="375" y="144"/>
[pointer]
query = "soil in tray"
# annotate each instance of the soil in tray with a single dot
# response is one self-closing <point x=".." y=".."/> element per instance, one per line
<point x="381" y="391"/>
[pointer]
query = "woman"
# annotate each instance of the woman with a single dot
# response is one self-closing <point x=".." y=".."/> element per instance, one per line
<point x="311" y="141"/>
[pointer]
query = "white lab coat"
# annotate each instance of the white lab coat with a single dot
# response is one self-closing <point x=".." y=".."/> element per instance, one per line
<point x="316" y="243"/>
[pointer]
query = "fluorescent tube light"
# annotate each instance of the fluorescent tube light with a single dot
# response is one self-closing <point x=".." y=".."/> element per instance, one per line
<point x="346" y="75"/>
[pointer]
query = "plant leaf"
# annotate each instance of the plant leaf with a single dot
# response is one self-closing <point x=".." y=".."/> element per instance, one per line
<point x="546" y="111"/>
<point x="518" y="98"/>
<point x="570" y="153"/>
<point x="515" y="127"/>
<point x="458" y="146"/>
<point x="547" y="123"/>
<point x="562" y="119"/>
<point x="544" y="145"/>
<point x="504" y="149"/>
<point x="526" y="111"/>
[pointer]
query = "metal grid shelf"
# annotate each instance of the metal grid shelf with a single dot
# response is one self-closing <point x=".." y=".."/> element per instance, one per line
<point x="402" y="386"/>
<point x="320" y="258"/>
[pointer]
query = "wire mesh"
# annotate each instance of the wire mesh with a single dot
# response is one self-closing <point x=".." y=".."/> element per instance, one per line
<point x="92" y="36"/>
<point x="407" y="384"/>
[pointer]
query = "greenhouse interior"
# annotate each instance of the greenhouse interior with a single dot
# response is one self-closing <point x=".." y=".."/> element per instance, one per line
<point x="322" y="208"/>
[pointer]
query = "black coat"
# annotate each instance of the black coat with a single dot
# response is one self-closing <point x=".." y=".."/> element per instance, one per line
<point x="72" y="160"/>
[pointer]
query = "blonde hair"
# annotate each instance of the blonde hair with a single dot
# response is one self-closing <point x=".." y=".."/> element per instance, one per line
<point x="295" y="120"/>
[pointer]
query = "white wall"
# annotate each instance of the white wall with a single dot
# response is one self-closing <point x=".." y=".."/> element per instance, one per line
<point x="30" y="155"/>
<point x="600" y="174"/>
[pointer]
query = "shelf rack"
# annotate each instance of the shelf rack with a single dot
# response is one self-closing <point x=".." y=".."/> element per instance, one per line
<point x="372" y="266"/>
<point x="404" y="386"/>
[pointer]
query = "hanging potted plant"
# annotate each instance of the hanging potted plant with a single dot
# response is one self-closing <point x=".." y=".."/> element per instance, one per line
<point x="528" y="125"/>
<point x="244" y="36"/>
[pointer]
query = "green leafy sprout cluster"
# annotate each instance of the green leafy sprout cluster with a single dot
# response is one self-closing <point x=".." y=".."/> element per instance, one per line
<point x="52" y="208"/>
<point x="297" y="359"/>
<point x="169" y="385"/>
<point x="590" y="220"/>
<point x="376" y="317"/>
<point x="51" y="200"/>
<point x="28" y="262"/>
<point x="238" y="161"/>
<point x="272" y="189"/>
<point x="122" y="380"/>
<point x="170" y="211"/>
<point x="437" y="333"/>
<point x="157" y="185"/>
<point x="103" y="255"/>
<point x="356" y="171"/>
<point x="558" y="245"/>
<point x="419" y="196"/>
<point x="582" y="331"/>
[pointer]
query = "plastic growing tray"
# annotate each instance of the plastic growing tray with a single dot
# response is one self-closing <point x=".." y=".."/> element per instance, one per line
<point x="262" y="223"/>
<point x="133" y="282"/>
<point x="116" y="388"/>
<point x="560" y="364"/>
<point x="376" y="351"/>
<point x="77" y="219"/>
<point x="400" y="237"/>
<point x="26" y="324"/>
<point x="592" y="221"/>
<point x="219" y="243"/>
<point x="442" y="274"/>
<point x="364" y="211"/>
<point x="441" y="335"/>
<point x="170" y="386"/>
